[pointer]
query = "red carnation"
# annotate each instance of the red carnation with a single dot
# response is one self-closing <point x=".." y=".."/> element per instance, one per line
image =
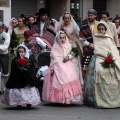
<point x="23" y="64"/>
<point x="108" y="60"/>
<point x="22" y="61"/>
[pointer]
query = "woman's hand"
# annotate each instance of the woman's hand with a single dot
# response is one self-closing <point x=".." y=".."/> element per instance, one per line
<point x="84" y="39"/>
<point x="52" y="71"/>
<point x="48" y="47"/>
<point x="33" y="48"/>
<point x="91" y="46"/>
<point x="66" y="59"/>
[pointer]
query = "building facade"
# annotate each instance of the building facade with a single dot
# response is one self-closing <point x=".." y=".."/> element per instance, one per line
<point x="5" y="11"/>
<point x="14" y="8"/>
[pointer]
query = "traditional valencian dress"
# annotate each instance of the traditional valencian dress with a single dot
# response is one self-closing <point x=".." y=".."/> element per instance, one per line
<point x="18" y="35"/>
<point x="73" y="35"/>
<point x="61" y="83"/>
<point x="102" y="85"/>
<point x="20" y="87"/>
<point x="46" y="32"/>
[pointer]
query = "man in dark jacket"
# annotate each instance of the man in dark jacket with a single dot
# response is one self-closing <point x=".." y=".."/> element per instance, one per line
<point x="87" y="30"/>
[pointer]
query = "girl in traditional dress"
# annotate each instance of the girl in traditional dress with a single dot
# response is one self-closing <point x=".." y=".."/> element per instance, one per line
<point x="33" y="46"/>
<point x="17" y="36"/>
<point x="20" y="87"/>
<point x="12" y="25"/>
<point x="68" y="24"/>
<point x="18" y="32"/>
<point x="102" y="84"/>
<point x="61" y="83"/>
<point x="31" y="21"/>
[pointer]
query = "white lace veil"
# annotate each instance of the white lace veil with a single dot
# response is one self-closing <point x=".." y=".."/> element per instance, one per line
<point x="109" y="32"/>
<point x="27" y="54"/>
<point x="10" y="26"/>
<point x="72" y="21"/>
<point x="57" y="39"/>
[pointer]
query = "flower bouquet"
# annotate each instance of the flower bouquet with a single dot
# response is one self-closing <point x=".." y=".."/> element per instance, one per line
<point x="74" y="52"/>
<point x="15" y="42"/>
<point x="22" y="64"/>
<point x="108" y="62"/>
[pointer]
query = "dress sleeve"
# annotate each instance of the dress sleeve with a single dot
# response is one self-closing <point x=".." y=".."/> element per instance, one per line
<point x="6" y="43"/>
<point x="40" y="42"/>
<point x="76" y="30"/>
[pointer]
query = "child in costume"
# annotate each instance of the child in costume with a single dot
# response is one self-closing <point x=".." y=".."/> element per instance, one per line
<point x="20" y="87"/>
<point x="102" y="81"/>
<point x="61" y="84"/>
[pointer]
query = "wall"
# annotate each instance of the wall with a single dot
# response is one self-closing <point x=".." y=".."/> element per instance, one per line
<point x="40" y="4"/>
<point x="6" y="13"/>
<point x="61" y="5"/>
<point x="57" y="7"/>
<point x="113" y="7"/>
<point x="87" y="4"/>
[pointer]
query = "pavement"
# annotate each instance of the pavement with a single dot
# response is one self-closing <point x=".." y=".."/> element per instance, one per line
<point x="53" y="111"/>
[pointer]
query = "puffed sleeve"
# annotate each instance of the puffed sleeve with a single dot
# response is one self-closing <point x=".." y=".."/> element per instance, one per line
<point x="5" y="45"/>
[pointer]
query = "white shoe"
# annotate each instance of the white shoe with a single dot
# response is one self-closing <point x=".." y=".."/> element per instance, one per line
<point x="42" y="78"/>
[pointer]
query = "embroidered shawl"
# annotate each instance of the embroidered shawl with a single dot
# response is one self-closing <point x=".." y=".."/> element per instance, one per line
<point x="85" y="31"/>
<point x="104" y="44"/>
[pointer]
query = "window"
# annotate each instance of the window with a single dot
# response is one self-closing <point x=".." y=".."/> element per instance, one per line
<point x="1" y="15"/>
<point x="4" y="3"/>
<point x="76" y="7"/>
<point x="99" y="6"/>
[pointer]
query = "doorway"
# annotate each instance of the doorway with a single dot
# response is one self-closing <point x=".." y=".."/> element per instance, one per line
<point x="1" y="16"/>
<point x="99" y="6"/>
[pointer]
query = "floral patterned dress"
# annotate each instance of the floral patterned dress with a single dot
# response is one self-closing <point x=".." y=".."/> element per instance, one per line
<point x="20" y="87"/>
<point x="102" y="85"/>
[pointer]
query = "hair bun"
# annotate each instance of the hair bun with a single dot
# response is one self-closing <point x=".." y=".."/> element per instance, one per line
<point x="22" y="16"/>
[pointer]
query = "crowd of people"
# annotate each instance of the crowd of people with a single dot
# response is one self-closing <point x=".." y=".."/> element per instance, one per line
<point x="60" y="61"/>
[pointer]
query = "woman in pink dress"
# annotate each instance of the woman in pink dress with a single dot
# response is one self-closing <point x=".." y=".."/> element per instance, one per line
<point x="68" y="24"/>
<point x="61" y="83"/>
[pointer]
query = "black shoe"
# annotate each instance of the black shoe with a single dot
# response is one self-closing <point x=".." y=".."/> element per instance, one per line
<point x="29" y="105"/>
<point x="19" y="106"/>
<point x="0" y="93"/>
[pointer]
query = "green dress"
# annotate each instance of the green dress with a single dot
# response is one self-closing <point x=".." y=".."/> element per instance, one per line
<point x="16" y="39"/>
